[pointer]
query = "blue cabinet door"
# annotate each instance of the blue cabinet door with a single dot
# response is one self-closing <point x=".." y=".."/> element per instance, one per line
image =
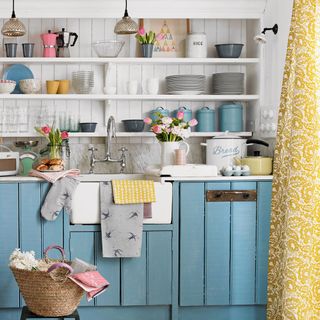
<point x="192" y="244"/>
<point x="223" y="245"/>
<point x="147" y="280"/>
<point x="9" y="240"/>
<point x="263" y="232"/>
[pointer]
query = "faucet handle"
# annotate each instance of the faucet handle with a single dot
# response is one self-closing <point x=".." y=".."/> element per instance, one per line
<point x="123" y="149"/>
<point x="92" y="148"/>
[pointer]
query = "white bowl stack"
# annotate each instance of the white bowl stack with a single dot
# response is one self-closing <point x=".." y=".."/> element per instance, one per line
<point x="83" y="81"/>
<point x="185" y="84"/>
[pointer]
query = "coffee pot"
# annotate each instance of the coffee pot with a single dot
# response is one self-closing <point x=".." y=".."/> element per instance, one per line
<point x="64" y="41"/>
<point x="49" y="44"/>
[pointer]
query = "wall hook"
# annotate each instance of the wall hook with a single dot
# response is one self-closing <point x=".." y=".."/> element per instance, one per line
<point x="274" y="29"/>
<point x="261" y="38"/>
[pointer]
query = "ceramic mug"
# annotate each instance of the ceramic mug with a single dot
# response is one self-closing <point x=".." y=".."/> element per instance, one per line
<point x="110" y="90"/>
<point x="168" y="151"/>
<point x="52" y="86"/>
<point x="64" y="86"/>
<point x="151" y="86"/>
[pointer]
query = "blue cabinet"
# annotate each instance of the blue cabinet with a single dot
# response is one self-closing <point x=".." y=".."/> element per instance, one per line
<point x="210" y="263"/>
<point x="223" y="245"/>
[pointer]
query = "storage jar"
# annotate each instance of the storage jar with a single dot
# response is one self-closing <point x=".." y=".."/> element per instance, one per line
<point x="206" y="120"/>
<point x="187" y="113"/>
<point x="196" y="45"/>
<point x="154" y="113"/>
<point x="231" y="117"/>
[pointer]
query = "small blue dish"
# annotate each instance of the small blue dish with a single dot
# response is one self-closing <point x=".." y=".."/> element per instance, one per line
<point x="133" y="125"/>
<point x="229" y="50"/>
<point x="17" y="72"/>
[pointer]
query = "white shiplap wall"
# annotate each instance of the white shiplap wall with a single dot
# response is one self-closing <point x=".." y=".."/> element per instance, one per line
<point x="91" y="30"/>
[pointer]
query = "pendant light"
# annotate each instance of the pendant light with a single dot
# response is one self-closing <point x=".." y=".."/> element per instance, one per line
<point x="13" y="27"/>
<point x="126" y="25"/>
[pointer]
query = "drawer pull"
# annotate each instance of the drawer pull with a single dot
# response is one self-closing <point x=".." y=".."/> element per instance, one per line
<point x="231" y="195"/>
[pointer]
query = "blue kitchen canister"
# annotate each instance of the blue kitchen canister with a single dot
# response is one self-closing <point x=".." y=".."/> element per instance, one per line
<point x="206" y="120"/>
<point x="231" y="117"/>
<point x="187" y="113"/>
<point x="154" y="114"/>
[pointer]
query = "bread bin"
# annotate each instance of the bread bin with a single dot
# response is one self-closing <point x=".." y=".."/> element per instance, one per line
<point x="223" y="150"/>
<point x="258" y="165"/>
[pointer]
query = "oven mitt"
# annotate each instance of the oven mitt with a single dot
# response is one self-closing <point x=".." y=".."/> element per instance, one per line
<point x="58" y="197"/>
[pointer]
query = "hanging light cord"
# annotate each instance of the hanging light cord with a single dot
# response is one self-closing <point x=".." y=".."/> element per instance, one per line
<point x="125" y="11"/>
<point x="13" y="15"/>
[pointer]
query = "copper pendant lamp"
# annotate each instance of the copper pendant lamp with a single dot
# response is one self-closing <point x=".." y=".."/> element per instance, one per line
<point x="126" y="25"/>
<point x="13" y="27"/>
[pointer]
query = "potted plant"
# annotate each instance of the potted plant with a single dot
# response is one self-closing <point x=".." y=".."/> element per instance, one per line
<point x="147" y="40"/>
<point x="171" y="133"/>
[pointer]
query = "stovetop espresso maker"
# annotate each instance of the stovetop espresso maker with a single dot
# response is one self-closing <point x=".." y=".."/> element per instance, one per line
<point x="64" y="41"/>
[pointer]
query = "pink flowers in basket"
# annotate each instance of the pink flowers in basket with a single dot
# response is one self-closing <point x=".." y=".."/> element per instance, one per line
<point x="170" y="129"/>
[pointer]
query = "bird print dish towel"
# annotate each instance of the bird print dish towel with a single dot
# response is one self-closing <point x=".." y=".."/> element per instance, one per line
<point x="121" y="226"/>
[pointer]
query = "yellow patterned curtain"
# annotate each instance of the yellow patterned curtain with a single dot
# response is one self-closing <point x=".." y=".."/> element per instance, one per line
<point x="294" y="260"/>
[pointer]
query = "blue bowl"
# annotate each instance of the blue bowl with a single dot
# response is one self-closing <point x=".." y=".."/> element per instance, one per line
<point x="88" y="126"/>
<point x="133" y="125"/>
<point x="229" y="50"/>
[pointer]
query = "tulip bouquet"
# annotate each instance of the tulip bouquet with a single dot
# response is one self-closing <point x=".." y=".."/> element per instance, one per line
<point x="150" y="37"/>
<point x="169" y="129"/>
<point x="55" y="138"/>
<point x="52" y="134"/>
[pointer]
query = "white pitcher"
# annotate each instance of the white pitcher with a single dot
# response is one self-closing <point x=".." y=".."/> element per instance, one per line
<point x="168" y="151"/>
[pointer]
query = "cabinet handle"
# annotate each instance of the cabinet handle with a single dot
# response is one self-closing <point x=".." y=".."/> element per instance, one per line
<point x="231" y="195"/>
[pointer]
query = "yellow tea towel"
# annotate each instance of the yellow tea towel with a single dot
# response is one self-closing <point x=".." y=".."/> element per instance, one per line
<point x="133" y="191"/>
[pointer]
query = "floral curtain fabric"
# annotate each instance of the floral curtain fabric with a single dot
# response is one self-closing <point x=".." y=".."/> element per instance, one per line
<point x="294" y="260"/>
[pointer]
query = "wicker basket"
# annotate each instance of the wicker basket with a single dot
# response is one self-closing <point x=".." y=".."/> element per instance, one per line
<point x="45" y="295"/>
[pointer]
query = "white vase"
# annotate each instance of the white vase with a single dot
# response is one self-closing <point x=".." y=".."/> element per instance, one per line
<point x="168" y="151"/>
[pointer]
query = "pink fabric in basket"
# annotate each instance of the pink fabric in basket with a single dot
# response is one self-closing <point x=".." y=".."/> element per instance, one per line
<point x="91" y="281"/>
<point x="54" y="176"/>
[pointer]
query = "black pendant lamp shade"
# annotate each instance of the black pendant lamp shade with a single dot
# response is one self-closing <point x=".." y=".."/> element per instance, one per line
<point x="126" y="25"/>
<point x="13" y="27"/>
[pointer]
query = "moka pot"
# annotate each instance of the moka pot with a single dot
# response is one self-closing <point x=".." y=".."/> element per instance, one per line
<point x="49" y="44"/>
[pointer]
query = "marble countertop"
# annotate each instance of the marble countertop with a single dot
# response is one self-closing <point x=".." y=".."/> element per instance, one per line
<point x="100" y="177"/>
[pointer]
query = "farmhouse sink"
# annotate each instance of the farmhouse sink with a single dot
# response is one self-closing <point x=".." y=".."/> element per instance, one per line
<point x="86" y="199"/>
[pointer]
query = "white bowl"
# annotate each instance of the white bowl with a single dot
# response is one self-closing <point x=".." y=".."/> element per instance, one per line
<point x="30" y="86"/>
<point x="7" y="86"/>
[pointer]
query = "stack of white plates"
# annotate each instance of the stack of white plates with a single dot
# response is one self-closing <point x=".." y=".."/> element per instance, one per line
<point x="228" y="83"/>
<point x="185" y="84"/>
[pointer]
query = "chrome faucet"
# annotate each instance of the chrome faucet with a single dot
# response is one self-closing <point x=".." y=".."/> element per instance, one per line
<point x="111" y="133"/>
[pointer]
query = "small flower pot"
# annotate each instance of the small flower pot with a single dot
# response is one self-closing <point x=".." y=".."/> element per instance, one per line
<point x="147" y="50"/>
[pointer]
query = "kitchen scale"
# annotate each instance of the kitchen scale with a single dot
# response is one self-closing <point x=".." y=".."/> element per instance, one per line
<point x="28" y="157"/>
<point x="187" y="170"/>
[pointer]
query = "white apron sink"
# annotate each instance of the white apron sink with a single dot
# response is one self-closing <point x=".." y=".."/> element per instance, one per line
<point x="86" y="199"/>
